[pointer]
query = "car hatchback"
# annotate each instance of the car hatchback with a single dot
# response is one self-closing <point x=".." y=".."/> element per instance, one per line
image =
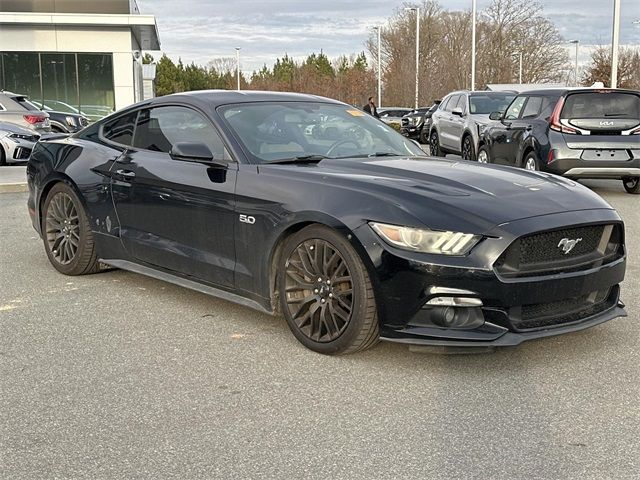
<point x="577" y="133"/>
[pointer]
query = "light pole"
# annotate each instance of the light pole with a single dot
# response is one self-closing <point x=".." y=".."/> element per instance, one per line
<point x="614" y="43"/>
<point x="238" y="66"/>
<point x="417" y="10"/>
<point x="575" y="78"/>
<point x="520" y="66"/>
<point x="473" y="45"/>
<point x="378" y="29"/>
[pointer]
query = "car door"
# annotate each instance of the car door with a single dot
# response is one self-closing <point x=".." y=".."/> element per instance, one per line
<point x="505" y="135"/>
<point x="447" y="127"/>
<point x="458" y="122"/>
<point x="174" y="213"/>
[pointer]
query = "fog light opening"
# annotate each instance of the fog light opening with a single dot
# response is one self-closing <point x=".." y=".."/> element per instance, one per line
<point x="457" y="317"/>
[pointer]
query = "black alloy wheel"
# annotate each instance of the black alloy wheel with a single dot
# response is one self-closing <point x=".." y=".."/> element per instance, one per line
<point x="468" y="151"/>
<point x="434" y="145"/>
<point x="326" y="295"/>
<point x="66" y="233"/>
<point x="631" y="184"/>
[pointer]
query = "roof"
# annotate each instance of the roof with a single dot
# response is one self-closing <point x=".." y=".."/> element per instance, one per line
<point x="223" y="97"/>
<point x="520" y="87"/>
<point x="143" y="27"/>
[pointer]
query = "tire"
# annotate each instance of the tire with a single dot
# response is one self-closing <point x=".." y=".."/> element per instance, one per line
<point x="531" y="162"/>
<point x="424" y="136"/>
<point x="483" y="155"/>
<point x="66" y="233"/>
<point x="468" y="149"/>
<point x="328" y="302"/>
<point x="631" y="185"/>
<point x="3" y="157"/>
<point x="434" y="145"/>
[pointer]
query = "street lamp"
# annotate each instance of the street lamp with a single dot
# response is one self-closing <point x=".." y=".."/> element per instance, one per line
<point x="417" y="10"/>
<point x="577" y="42"/>
<point x="473" y="45"/>
<point x="520" y="66"/>
<point x="238" y="66"/>
<point x="615" y="36"/>
<point x="378" y="29"/>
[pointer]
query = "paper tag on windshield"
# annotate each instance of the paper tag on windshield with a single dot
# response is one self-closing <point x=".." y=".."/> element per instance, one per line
<point x="355" y="113"/>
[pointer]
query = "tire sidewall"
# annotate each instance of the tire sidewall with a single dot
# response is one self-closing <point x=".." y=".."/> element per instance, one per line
<point x="486" y="151"/>
<point x="359" y="277"/>
<point x="531" y="155"/>
<point x="472" y="149"/>
<point x="72" y="267"/>
<point x="435" y="151"/>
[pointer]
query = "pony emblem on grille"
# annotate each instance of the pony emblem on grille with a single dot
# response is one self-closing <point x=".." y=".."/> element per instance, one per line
<point x="567" y="244"/>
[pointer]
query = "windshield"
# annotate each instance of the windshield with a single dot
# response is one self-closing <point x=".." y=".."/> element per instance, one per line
<point x="485" y="104"/>
<point x="602" y="105"/>
<point x="273" y="131"/>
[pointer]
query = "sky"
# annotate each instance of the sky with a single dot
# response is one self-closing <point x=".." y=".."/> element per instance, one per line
<point x="201" y="30"/>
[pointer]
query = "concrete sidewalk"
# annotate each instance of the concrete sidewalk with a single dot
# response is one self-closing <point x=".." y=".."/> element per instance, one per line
<point x="13" y="179"/>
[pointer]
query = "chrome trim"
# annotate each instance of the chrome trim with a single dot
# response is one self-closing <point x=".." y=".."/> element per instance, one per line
<point x="454" y="302"/>
<point x="614" y="171"/>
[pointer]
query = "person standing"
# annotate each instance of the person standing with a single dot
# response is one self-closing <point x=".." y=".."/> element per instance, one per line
<point x="371" y="108"/>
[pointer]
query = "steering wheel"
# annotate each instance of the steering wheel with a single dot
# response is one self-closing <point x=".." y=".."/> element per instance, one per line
<point x="341" y="142"/>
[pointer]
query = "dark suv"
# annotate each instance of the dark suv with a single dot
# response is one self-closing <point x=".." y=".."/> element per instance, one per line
<point x="577" y="133"/>
<point x="416" y="124"/>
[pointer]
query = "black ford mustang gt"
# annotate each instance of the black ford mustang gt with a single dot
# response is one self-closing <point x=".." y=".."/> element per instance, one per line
<point x="307" y="207"/>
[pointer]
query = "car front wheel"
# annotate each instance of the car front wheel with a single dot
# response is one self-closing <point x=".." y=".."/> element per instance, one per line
<point x="468" y="149"/>
<point x="632" y="184"/>
<point x="531" y="162"/>
<point x="483" y="155"/>
<point x="434" y="145"/>
<point x="325" y="292"/>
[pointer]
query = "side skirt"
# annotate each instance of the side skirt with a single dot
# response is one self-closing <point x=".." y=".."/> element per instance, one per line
<point x="186" y="283"/>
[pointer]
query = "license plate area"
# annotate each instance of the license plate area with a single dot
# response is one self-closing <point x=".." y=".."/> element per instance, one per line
<point x="606" y="155"/>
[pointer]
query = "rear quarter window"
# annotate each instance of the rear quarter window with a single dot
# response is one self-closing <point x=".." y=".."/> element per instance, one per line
<point x="602" y="105"/>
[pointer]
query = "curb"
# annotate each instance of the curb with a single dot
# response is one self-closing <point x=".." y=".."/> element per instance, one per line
<point x="13" y="187"/>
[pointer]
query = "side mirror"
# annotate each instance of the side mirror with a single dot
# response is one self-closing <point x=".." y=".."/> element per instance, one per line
<point x="495" y="116"/>
<point x="457" y="111"/>
<point x="191" y="151"/>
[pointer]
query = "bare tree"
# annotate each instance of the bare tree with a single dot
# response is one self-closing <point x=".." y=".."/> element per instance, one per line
<point x="599" y="69"/>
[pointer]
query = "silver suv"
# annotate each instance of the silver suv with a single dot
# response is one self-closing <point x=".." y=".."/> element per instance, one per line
<point x="11" y="111"/>
<point x="460" y="119"/>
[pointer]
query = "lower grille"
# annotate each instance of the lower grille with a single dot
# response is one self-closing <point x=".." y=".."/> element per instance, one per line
<point x="561" y="312"/>
<point x="21" y="153"/>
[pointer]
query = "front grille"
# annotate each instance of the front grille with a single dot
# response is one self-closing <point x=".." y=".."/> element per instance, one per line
<point x="84" y="122"/>
<point x="561" y="312"/>
<point x="563" y="250"/>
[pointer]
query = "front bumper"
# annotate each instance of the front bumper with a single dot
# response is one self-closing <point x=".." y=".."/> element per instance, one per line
<point x="411" y="131"/>
<point x="405" y="282"/>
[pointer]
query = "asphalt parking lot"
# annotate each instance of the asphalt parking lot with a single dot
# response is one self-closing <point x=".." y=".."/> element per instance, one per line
<point x="116" y="375"/>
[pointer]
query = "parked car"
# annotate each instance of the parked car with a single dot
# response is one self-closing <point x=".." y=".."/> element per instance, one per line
<point x="416" y="124"/>
<point x="578" y="133"/>
<point x="393" y="114"/>
<point x="16" y="143"/>
<point x="352" y="239"/>
<point x="11" y="111"/>
<point x="61" y="122"/>
<point x="457" y="123"/>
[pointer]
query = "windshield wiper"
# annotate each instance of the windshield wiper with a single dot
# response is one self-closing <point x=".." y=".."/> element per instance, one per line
<point x="299" y="159"/>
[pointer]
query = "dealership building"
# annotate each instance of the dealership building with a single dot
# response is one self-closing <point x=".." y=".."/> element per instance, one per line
<point x="80" y="55"/>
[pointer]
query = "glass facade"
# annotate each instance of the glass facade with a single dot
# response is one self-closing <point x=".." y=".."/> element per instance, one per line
<point x="65" y="82"/>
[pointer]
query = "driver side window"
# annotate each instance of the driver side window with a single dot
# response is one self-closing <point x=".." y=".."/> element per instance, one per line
<point x="514" y="110"/>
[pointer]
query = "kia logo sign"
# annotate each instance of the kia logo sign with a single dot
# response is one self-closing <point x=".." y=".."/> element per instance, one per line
<point x="604" y="123"/>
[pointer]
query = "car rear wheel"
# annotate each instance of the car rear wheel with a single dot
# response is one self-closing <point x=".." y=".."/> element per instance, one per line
<point x="468" y="149"/>
<point x="325" y="292"/>
<point x="66" y="233"/>
<point x="483" y="155"/>
<point x="531" y="162"/>
<point x="434" y="145"/>
<point x="632" y="184"/>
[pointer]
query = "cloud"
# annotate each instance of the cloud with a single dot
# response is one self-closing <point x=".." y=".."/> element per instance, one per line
<point x="266" y="30"/>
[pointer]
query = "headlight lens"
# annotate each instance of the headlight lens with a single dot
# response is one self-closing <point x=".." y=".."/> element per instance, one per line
<point x="71" y="121"/>
<point x="427" y="241"/>
<point x="31" y="138"/>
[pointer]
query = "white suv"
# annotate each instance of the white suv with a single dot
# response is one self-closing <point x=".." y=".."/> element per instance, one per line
<point x="461" y="117"/>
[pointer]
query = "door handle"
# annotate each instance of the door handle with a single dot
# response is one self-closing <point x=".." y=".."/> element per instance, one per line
<point x="128" y="174"/>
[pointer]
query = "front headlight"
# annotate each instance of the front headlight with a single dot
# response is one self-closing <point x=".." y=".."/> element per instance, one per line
<point x="71" y="121"/>
<point x="481" y="128"/>
<point x="21" y="136"/>
<point x="427" y="241"/>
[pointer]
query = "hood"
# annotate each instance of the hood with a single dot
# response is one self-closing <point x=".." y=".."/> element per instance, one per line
<point x="481" y="118"/>
<point x="440" y="193"/>
<point x="14" y="128"/>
